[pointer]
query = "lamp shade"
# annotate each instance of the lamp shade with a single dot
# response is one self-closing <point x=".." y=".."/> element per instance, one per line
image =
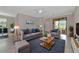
<point x="16" y="27"/>
<point x="40" y="25"/>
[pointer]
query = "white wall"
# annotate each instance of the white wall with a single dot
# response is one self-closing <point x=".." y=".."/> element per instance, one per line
<point x="9" y="19"/>
<point x="48" y="23"/>
<point x="21" y="20"/>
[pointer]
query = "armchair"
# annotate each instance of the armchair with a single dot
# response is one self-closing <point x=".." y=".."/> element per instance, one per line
<point x="55" y="33"/>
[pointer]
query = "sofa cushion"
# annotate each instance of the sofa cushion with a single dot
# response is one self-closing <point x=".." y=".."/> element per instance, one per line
<point x="55" y="30"/>
<point x="26" y="31"/>
<point x="37" y="30"/>
<point x="33" y="30"/>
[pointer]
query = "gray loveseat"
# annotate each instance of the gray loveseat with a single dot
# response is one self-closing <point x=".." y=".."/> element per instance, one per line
<point x="55" y="33"/>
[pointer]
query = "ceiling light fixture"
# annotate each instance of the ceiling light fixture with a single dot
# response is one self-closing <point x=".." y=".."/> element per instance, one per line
<point x="40" y="11"/>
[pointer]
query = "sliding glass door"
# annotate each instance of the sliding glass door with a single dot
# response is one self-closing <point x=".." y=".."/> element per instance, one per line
<point x="61" y="25"/>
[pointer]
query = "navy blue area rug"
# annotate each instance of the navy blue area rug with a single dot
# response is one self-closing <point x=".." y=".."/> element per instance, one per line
<point x="58" y="47"/>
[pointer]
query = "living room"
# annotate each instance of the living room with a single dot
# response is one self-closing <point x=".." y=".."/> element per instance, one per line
<point x="26" y="27"/>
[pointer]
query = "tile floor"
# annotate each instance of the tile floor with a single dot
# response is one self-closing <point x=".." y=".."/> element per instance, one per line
<point x="68" y="48"/>
<point x="6" y="45"/>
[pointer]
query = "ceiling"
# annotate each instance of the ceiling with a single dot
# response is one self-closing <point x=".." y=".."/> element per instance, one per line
<point x="47" y="11"/>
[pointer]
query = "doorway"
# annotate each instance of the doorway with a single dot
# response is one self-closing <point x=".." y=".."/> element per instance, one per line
<point x="61" y="24"/>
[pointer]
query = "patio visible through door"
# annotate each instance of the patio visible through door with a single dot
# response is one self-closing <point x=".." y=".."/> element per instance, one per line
<point x="61" y="24"/>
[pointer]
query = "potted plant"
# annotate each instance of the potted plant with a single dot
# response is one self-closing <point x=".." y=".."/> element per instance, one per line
<point x="71" y="31"/>
<point x="45" y="34"/>
<point x="12" y="27"/>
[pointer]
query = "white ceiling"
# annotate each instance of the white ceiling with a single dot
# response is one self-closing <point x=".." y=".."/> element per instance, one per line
<point x="48" y="11"/>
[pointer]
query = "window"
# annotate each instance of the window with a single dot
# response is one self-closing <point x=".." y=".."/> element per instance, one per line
<point x="3" y="27"/>
<point x="3" y="22"/>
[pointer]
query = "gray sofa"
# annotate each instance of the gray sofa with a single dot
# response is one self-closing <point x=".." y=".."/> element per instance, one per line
<point x="29" y="34"/>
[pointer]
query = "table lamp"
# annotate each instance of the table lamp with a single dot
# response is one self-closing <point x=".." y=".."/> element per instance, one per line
<point x="16" y="27"/>
<point x="41" y="28"/>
